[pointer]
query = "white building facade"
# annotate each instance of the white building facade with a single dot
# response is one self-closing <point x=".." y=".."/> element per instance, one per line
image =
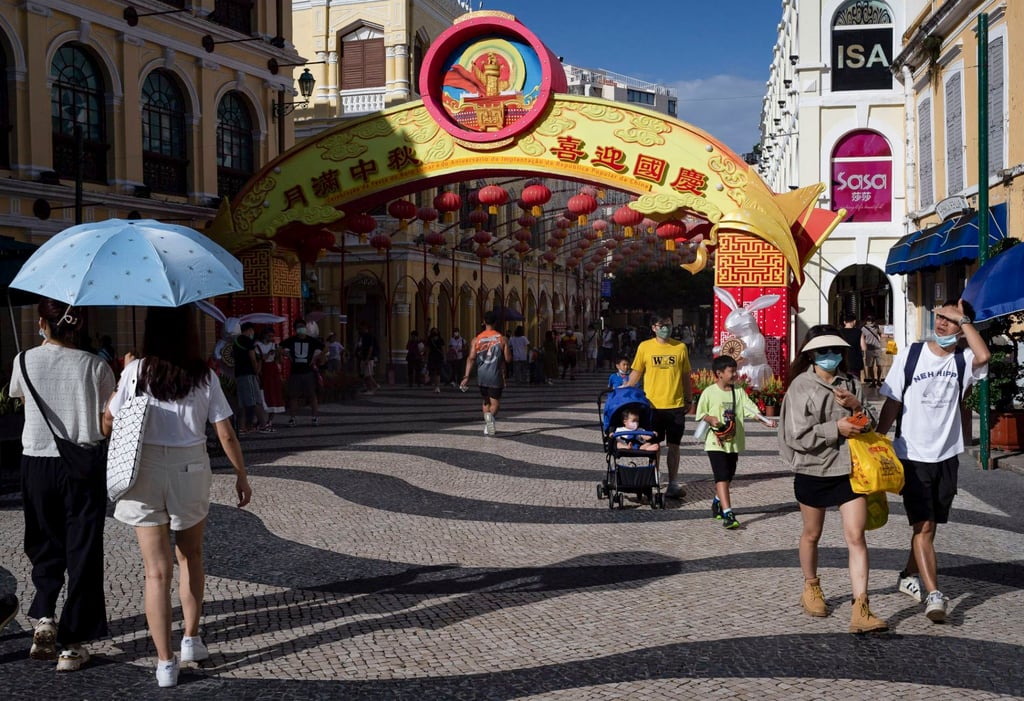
<point x="834" y="113"/>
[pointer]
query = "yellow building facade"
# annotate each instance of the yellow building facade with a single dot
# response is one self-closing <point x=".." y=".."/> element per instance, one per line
<point x="158" y="109"/>
<point x="938" y="67"/>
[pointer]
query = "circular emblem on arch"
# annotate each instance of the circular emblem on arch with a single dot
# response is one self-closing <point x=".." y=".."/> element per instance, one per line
<point x="488" y="78"/>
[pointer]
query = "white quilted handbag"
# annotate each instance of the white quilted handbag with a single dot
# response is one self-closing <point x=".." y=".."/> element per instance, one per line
<point x="125" y="450"/>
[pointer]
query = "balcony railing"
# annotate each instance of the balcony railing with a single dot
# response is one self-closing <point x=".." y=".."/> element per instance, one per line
<point x="362" y="101"/>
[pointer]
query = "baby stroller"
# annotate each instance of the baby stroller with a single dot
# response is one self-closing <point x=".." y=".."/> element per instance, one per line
<point x="629" y="471"/>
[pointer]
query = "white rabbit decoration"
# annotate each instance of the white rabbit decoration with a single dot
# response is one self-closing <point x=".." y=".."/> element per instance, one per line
<point x="741" y="323"/>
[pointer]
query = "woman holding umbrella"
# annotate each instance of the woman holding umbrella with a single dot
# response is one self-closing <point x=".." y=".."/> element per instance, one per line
<point x="64" y="513"/>
<point x="172" y="491"/>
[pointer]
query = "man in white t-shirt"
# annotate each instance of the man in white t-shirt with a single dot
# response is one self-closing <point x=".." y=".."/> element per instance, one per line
<point x="930" y="438"/>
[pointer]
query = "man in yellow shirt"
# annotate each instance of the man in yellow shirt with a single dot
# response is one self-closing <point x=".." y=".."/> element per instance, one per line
<point x="664" y="364"/>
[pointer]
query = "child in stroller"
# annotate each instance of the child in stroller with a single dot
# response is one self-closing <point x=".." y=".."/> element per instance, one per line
<point x="631" y="448"/>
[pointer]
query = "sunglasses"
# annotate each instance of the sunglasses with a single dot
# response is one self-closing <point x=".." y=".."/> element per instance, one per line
<point x="830" y="349"/>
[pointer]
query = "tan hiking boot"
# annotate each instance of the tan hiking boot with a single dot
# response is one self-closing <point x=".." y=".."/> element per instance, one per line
<point x="862" y="620"/>
<point x="813" y="599"/>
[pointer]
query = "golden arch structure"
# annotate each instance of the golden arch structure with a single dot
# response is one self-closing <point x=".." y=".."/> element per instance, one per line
<point x="299" y="203"/>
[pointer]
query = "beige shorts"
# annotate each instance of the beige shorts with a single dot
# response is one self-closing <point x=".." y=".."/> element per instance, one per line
<point x="173" y="487"/>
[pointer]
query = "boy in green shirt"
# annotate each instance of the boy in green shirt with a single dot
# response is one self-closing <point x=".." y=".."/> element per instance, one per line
<point x="723" y="410"/>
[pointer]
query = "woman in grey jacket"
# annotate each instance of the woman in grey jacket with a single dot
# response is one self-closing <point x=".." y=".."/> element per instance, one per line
<point x="822" y="408"/>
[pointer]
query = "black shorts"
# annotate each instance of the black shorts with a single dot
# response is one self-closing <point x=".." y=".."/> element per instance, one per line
<point x="929" y="489"/>
<point x="823" y="492"/>
<point x="723" y="465"/>
<point x="489" y="393"/>
<point x="669" y="424"/>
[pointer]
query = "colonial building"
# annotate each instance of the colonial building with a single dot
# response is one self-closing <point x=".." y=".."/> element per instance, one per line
<point x="938" y="69"/>
<point x="834" y="113"/>
<point x="155" y="110"/>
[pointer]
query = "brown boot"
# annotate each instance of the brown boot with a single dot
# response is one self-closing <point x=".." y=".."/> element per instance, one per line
<point x="813" y="599"/>
<point x="862" y="620"/>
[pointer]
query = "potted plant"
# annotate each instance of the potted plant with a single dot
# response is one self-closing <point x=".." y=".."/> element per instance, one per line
<point x="1005" y="379"/>
<point x="699" y="381"/>
<point x="770" y="396"/>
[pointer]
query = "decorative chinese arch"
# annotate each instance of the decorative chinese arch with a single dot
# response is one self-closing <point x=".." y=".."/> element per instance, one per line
<point x="495" y="106"/>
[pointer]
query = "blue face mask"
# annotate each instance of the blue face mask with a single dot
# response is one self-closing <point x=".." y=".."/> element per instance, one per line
<point x="947" y="341"/>
<point x="828" y="361"/>
<point x="664" y="332"/>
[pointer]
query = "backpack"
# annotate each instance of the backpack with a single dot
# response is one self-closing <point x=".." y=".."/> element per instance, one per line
<point x="913" y="354"/>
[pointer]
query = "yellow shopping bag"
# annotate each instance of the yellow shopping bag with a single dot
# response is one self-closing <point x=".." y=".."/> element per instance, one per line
<point x="875" y="467"/>
<point x="891" y="348"/>
<point x="878" y="511"/>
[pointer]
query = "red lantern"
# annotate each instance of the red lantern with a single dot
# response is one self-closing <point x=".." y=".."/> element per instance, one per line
<point x="589" y="190"/>
<point x="522" y="248"/>
<point x="550" y="257"/>
<point x="482" y="237"/>
<point x="381" y="242"/>
<point x="493" y="196"/>
<point x="599" y="225"/>
<point x="591" y="235"/>
<point x="627" y="218"/>
<point x="426" y="215"/>
<point x="402" y="210"/>
<point x="560" y="234"/>
<point x="434" y="239"/>
<point x="553" y="242"/>
<point x="583" y="244"/>
<point x="572" y="262"/>
<point x="448" y="203"/>
<point x="581" y="205"/>
<point x="611" y="243"/>
<point x="589" y="268"/>
<point x="535" y="196"/>
<point x="527" y="221"/>
<point x="483" y="251"/>
<point x="361" y="224"/>
<point x="523" y="235"/>
<point x="478" y="218"/>
<point x="671" y="230"/>
<point x="563" y="223"/>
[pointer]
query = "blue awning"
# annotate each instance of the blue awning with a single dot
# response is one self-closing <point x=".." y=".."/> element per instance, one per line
<point x="951" y="241"/>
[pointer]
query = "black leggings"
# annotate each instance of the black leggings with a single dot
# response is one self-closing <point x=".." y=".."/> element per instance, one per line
<point x="64" y="520"/>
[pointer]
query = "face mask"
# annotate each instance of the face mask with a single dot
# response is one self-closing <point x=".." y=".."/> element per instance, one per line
<point x="664" y="332"/>
<point x="946" y="341"/>
<point x="301" y="330"/>
<point x="632" y="425"/>
<point x="828" y="361"/>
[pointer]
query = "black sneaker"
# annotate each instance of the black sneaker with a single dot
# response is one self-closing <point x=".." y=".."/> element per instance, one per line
<point x="716" y="509"/>
<point x="8" y="609"/>
<point x="729" y="521"/>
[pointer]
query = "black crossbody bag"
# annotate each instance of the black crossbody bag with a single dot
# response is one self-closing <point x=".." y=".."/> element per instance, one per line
<point x="82" y="462"/>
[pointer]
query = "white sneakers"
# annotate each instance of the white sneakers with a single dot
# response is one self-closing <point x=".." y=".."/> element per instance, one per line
<point x="167" y="673"/>
<point x="193" y="649"/>
<point x="489" y="424"/>
<point x="910" y="585"/>
<point x="935" y="607"/>
<point x="44" y="640"/>
<point x="72" y="658"/>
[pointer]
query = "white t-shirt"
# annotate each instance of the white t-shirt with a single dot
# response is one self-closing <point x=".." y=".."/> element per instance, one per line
<point x="180" y="423"/>
<point x="518" y="345"/>
<point x="931" y="431"/>
<point x="73" y="384"/>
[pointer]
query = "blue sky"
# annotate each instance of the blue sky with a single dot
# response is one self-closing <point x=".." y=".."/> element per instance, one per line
<point x="715" y="54"/>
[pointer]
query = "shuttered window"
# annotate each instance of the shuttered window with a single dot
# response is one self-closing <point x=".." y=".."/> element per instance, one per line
<point x="954" y="136"/>
<point x="996" y="118"/>
<point x="926" y="187"/>
<point x="362" y="64"/>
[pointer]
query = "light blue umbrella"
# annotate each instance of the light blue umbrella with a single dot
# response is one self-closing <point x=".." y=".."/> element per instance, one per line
<point x="140" y="262"/>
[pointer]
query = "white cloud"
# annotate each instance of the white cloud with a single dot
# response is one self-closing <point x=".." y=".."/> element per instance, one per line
<point x="726" y="106"/>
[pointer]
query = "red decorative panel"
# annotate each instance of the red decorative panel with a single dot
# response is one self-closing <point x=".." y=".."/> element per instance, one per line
<point x="747" y="261"/>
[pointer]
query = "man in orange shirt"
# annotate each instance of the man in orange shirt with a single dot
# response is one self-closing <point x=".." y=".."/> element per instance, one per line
<point x="489" y="351"/>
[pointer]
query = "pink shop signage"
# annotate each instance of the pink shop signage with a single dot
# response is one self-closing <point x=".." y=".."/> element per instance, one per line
<point x="862" y="178"/>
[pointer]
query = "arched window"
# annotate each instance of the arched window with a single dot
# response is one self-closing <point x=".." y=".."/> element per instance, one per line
<point x="862" y="177"/>
<point x="78" y="99"/>
<point x="164" y="143"/>
<point x="862" y="48"/>
<point x="235" y="159"/>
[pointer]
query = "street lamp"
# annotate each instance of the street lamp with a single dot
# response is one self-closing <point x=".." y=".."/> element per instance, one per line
<point x="306" y="84"/>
